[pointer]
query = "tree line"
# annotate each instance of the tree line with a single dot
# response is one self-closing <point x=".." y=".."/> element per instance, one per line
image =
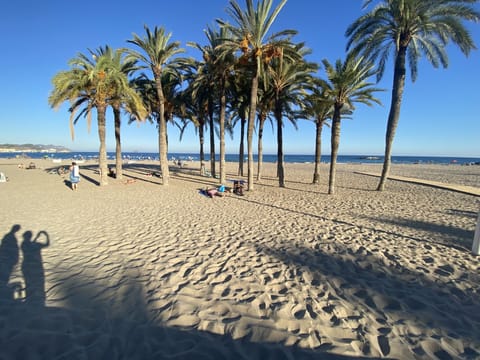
<point x="247" y="75"/>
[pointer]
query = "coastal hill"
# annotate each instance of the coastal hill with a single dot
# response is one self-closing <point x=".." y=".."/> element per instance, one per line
<point x="10" y="148"/>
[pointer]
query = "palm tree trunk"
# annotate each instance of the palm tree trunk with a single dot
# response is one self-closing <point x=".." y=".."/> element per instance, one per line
<point x="251" y="124"/>
<point x="260" y="148"/>
<point x="118" y="144"/>
<point x="102" y="153"/>
<point x="280" y="160"/>
<point x="162" y="132"/>
<point x="335" y="142"/>
<point x="159" y="145"/>
<point x="241" y="150"/>
<point x="394" y="114"/>
<point x="201" y="136"/>
<point x="318" y="151"/>
<point x="212" y="145"/>
<point x="223" y="106"/>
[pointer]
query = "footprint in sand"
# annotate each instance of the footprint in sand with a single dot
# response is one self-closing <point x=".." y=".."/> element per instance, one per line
<point x="384" y="344"/>
<point x="299" y="313"/>
<point x="445" y="270"/>
<point x="428" y="259"/>
<point x="310" y="311"/>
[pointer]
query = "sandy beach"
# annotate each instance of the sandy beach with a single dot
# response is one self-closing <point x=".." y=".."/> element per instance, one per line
<point x="136" y="270"/>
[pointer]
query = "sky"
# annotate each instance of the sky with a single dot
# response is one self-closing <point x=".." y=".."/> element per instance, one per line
<point x="439" y="115"/>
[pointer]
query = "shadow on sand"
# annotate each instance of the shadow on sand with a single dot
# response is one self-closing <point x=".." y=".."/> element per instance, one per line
<point x="90" y="325"/>
<point x="388" y="293"/>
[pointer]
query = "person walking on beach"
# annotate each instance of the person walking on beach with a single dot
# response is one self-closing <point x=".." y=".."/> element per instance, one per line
<point x="74" y="175"/>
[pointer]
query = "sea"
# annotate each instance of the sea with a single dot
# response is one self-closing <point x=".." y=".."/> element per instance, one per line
<point x="269" y="158"/>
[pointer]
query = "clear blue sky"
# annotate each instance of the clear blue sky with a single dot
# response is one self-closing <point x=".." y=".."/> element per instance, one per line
<point x="440" y="112"/>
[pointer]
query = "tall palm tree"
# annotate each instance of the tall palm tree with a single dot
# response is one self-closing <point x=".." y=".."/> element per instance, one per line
<point x="202" y="88"/>
<point x="249" y="36"/>
<point x="409" y="29"/>
<point x="92" y="83"/>
<point x="126" y="98"/>
<point x="220" y="65"/>
<point x="156" y="53"/>
<point x="266" y="99"/>
<point x="173" y="100"/>
<point x="239" y="104"/>
<point x="289" y="81"/>
<point x="194" y="109"/>
<point x="318" y="107"/>
<point x="347" y="84"/>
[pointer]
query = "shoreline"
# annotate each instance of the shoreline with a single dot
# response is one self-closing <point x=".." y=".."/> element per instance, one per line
<point x="143" y="270"/>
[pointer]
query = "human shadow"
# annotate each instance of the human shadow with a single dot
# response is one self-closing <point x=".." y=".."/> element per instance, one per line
<point x="32" y="266"/>
<point x="90" y="325"/>
<point x="9" y="256"/>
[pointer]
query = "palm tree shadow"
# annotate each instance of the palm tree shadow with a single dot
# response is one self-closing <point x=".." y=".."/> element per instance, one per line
<point x="89" y="179"/>
<point x="360" y="279"/>
<point x="448" y="235"/>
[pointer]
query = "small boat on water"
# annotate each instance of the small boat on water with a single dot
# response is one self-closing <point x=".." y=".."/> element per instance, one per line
<point x="371" y="157"/>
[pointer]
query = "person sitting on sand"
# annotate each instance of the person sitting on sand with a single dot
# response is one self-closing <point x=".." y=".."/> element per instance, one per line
<point x="238" y="187"/>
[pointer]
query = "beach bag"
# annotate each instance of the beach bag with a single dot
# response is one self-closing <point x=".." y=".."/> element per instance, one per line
<point x="3" y="178"/>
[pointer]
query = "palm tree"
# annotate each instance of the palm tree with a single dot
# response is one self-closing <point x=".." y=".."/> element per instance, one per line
<point x="409" y="29"/>
<point x="319" y="107"/>
<point x="91" y="83"/>
<point x="126" y="98"/>
<point x="156" y="54"/>
<point x="239" y="103"/>
<point x="194" y="109"/>
<point x="219" y="65"/>
<point x="202" y="88"/>
<point x="266" y="99"/>
<point x="173" y="100"/>
<point x="347" y="84"/>
<point x="289" y="81"/>
<point x="249" y="34"/>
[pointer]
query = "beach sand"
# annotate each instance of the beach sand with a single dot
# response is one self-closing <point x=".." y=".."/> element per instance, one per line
<point x="141" y="271"/>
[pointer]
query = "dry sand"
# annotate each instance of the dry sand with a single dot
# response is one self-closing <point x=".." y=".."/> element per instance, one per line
<point x="142" y="271"/>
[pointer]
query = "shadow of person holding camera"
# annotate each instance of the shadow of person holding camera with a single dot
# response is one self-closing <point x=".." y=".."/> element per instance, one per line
<point x="32" y="267"/>
<point x="8" y="259"/>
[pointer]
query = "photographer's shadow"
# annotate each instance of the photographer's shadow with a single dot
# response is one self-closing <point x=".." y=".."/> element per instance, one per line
<point x="32" y="267"/>
<point x="9" y="255"/>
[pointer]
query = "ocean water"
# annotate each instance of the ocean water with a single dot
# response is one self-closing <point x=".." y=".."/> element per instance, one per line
<point x="266" y="157"/>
